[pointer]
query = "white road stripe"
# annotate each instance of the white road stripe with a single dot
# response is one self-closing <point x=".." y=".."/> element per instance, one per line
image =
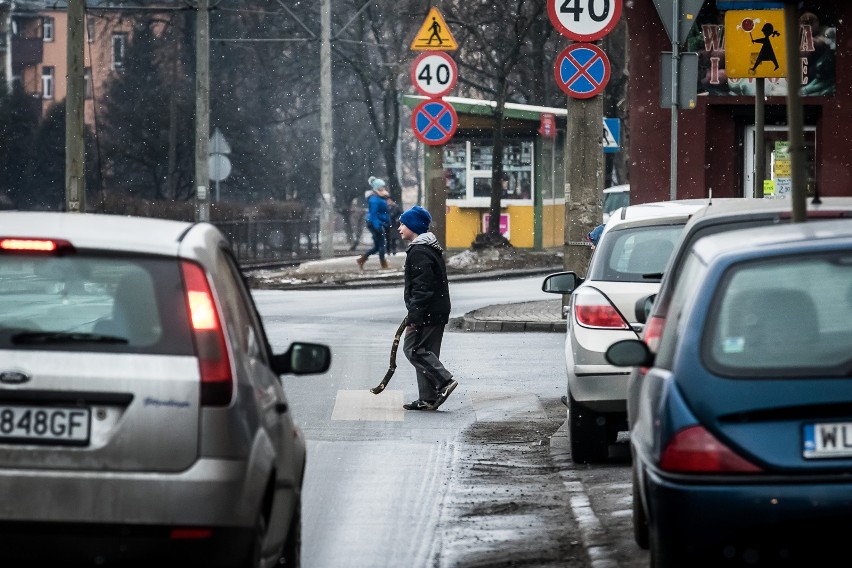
<point x="365" y="406"/>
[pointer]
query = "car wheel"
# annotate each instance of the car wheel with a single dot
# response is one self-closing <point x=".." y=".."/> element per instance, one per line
<point x="292" y="555"/>
<point x="588" y="433"/>
<point x="640" y="521"/>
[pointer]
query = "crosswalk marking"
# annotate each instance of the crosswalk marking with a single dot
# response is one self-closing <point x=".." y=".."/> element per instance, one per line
<point x="366" y="406"/>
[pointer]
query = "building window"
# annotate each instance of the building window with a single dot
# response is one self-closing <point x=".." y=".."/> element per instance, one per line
<point x="119" y="44"/>
<point x="87" y="78"/>
<point x="90" y="30"/>
<point x="47" y="82"/>
<point x="467" y="171"/>
<point x="47" y="28"/>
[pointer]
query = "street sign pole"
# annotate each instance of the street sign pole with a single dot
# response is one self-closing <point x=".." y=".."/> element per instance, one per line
<point x="675" y="106"/>
<point x="795" y="119"/>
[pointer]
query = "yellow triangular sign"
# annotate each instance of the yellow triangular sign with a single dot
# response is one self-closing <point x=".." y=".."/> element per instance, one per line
<point x="434" y="34"/>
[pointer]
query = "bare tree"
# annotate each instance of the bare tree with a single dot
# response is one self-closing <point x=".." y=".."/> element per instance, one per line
<point x="493" y="39"/>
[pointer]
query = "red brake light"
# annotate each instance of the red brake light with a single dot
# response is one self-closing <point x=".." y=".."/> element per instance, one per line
<point x="13" y="244"/>
<point x="593" y="310"/>
<point x="214" y="364"/>
<point x="190" y="534"/>
<point x="695" y="450"/>
<point x="653" y="332"/>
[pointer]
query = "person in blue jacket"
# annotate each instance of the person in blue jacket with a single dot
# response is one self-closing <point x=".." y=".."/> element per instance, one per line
<point x="378" y="221"/>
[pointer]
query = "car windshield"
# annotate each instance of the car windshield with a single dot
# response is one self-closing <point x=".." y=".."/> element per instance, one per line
<point x="614" y="200"/>
<point x="84" y="303"/>
<point x="790" y="315"/>
<point x="636" y="254"/>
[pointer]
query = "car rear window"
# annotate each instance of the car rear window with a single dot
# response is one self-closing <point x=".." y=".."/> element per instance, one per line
<point x="636" y="254"/>
<point x="788" y="316"/>
<point x="80" y="302"/>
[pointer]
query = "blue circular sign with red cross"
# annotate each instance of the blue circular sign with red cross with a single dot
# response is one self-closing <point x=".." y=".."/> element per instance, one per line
<point x="434" y="121"/>
<point x="582" y="70"/>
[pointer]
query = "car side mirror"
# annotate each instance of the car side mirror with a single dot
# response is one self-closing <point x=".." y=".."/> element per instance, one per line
<point x="629" y="353"/>
<point x="561" y="283"/>
<point x="303" y="359"/>
<point x="643" y="308"/>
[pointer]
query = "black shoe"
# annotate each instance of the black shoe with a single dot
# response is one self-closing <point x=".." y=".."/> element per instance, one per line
<point x="445" y="393"/>
<point x="419" y="405"/>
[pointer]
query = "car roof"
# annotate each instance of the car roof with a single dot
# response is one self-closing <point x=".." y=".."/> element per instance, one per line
<point x="661" y="210"/>
<point x="741" y="206"/>
<point x="772" y="238"/>
<point x="618" y="188"/>
<point x="98" y="231"/>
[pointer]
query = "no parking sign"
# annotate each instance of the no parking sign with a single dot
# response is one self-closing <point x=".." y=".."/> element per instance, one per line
<point x="434" y="121"/>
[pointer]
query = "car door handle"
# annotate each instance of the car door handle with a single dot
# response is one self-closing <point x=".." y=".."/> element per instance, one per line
<point x="281" y="407"/>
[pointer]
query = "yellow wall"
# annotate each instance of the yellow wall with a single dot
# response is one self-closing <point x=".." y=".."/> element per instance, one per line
<point x="553" y="223"/>
<point x="464" y="223"/>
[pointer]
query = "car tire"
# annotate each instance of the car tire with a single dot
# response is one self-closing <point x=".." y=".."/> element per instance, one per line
<point x="588" y="432"/>
<point x="640" y="520"/>
<point x="292" y="554"/>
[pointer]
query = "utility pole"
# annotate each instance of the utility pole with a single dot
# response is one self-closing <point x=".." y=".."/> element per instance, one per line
<point x="202" y="110"/>
<point x="795" y="118"/>
<point x="326" y="133"/>
<point x="75" y="150"/>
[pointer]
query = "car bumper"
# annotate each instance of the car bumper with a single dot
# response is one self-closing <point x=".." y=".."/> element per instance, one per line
<point x="213" y="492"/>
<point x="774" y="522"/>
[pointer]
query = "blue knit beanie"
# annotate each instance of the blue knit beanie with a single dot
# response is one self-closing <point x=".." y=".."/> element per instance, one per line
<point x="376" y="183"/>
<point x="417" y="219"/>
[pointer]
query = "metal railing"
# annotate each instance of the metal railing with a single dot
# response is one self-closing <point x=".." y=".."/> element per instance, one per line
<point x="271" y="240"/>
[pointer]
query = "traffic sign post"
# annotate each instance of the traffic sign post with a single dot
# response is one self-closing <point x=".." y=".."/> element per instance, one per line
<point x="584" y="20"/>
<point x="582" y="70"/>
<point x="434" y="74"/>
<point x="434" y="122"/>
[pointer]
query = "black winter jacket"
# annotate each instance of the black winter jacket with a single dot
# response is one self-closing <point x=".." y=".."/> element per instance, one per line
<point x="427" y="293"/>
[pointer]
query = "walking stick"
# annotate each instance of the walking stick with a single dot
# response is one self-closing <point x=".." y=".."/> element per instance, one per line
<point x="381" y="386"/>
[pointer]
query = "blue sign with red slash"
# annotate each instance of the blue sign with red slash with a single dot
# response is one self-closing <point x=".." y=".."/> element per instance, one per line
<point x="582" y="70"/>
<point x="434" y="121"/>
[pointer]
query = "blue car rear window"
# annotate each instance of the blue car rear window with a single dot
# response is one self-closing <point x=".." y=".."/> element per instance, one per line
<point x="790" y="315"/>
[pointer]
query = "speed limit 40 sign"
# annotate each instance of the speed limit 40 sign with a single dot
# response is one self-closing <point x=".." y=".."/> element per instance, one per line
<point x="434" y="74"/>
<point x="584" y="20"/>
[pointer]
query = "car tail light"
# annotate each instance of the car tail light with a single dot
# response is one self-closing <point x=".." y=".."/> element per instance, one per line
<point x="217" y="381"/>
<point x="695" y="450"/>
<point x="190" y="533"/>
<point x="653" y="332"/>
<point x="593" y="310"/>
<point x="28" y="245"/>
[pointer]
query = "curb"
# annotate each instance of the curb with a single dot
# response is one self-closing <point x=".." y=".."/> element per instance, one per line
<point x="470" y="324"/>
<point x="398" y="279"/>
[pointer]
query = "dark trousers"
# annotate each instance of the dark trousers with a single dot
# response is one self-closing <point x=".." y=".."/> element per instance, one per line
<point x="422" y="348"/>
<point x="378" y="242"/>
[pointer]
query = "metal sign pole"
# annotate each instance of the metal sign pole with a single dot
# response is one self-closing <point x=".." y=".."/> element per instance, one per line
<point x="675" y="98"/>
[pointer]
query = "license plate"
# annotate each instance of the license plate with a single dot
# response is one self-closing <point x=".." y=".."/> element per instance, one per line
<point x="828" y="440"/>
<point x="45" y="424"/>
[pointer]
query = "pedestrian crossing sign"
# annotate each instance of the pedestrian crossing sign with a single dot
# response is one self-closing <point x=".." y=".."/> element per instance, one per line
<point x="434" y="34"/>
<point x="755" y="44"/>
<point x="611" y="140"/>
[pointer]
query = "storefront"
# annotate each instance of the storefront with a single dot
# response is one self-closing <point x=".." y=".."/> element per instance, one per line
<point x="533" y="204"/>
<point x="716" y="140"/>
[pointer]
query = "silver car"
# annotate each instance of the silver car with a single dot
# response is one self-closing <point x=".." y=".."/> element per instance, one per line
<point x="142" y="414"/>
<point x="625" y="268"/>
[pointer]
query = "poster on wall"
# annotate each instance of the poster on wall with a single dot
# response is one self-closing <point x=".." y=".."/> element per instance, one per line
<point x="818" y="47"/>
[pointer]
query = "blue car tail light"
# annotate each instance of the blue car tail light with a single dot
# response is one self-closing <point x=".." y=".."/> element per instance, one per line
<point x="695" y="450"/>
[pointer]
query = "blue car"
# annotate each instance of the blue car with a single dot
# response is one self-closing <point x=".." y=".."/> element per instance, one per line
<point x="742" y="439"/>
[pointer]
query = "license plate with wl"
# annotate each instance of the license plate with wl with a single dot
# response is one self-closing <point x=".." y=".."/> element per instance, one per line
<point x="828" y="440"/>
<point x="45" y="424"/>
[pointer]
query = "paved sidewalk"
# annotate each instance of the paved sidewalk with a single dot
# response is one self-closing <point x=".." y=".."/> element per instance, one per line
<point x="342" y="272"/>
<point x="543" y="315"/>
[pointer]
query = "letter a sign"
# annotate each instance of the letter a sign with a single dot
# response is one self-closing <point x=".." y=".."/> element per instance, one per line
<point x="434" y="35"/>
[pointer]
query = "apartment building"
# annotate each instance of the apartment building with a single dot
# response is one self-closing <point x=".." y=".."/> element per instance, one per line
<point x="34" y="45"/>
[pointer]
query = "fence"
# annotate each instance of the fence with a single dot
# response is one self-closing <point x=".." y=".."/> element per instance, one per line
<point x="271" y="240"/>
